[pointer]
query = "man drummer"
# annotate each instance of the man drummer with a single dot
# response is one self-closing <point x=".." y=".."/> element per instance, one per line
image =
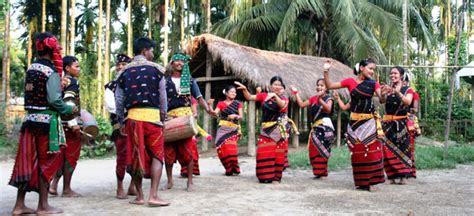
<point x="71" y="152"/>
<point x="141" y="90"/>
<point x="180" y="88"/>
<point x="119" y="140"/>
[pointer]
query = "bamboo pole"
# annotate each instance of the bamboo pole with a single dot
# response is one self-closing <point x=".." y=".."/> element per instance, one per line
<point x="338" y="129"/>
<point x="296" y="118"/>
<point x="251" y="129"/>
<point x="207" y="95"/>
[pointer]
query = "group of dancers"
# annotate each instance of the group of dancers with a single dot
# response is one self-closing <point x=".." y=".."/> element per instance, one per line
<point x="145" y="95"/>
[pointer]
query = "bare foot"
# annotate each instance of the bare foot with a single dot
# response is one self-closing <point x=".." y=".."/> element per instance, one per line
<point x="137" y="202"/>
<point x="48" y="210"/>
<point x="132" y="191"/>
<point x="190" y="188"/>
<point x="168" y="186"/>
<point x="121" y="195"/>
<point x="157" y="202"/>
<point x="323" y="177"/>
<point x="403" y="181"/>
<point x="392" y="181"/>
<point x="23" y="210"/>
<point x="71" y="194"/>
<point x="373" y="189"/>
<point x="53" y="192"/>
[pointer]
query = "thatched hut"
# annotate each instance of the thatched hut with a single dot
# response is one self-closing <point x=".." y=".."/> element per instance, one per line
<point x="218" y="62"/>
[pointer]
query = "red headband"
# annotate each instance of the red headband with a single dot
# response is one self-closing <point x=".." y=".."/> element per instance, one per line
<point x="52" y="43"/>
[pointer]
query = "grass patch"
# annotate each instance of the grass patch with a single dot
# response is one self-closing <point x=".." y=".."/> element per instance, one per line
<point x="340" y="159"/>
<point x="426" y="157"/>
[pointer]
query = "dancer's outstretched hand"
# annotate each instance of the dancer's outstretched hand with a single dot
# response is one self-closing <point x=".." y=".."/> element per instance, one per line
<point x="327" y="65"/>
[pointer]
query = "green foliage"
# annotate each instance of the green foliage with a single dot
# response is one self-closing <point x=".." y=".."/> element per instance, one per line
<point x="102" y="146"/>
<point x="426" y="157"/>
<point x="340" y="159"/>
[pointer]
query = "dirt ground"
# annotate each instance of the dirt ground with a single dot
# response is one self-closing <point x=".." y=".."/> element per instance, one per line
<point x="441" y="192"/>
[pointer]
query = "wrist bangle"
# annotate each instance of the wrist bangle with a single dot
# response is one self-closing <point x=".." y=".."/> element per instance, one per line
<point x="294" y="92"/>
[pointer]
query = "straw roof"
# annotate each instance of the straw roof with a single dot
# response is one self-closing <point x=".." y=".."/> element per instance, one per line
<point x="256" y="67"/>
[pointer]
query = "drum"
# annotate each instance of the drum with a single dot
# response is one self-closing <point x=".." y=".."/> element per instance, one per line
<point x="180" y="128"/>
<point x="89" y="125"/>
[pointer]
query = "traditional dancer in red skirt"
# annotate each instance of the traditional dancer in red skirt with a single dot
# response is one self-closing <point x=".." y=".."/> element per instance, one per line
<point x="322" y="133"/>
<point x="273" y="140"/>
<point x="228" y="131"/>
<point x="364" y="127"/>
<point x="397" y="153"/>
<point x="38" y="156"/>
<point x="413" y="126"/>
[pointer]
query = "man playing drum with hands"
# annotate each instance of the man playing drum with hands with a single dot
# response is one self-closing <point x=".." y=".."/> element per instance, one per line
<point x="180" y="88"/>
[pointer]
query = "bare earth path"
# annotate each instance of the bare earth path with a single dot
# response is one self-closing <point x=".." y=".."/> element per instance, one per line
<point x="442" y="192"/>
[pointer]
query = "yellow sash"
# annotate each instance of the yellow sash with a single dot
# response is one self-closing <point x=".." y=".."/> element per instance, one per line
<point x="144" y="114"/>
<point x="393" y="117"/>
<point x="366" y="116"/>
<point x="317" y="123"/>
<point x="230" y="124"/>
<point x="181" y="111"/>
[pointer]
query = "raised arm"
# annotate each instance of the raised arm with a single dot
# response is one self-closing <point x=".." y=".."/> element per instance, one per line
<point x="215" y="111"/>
<point x="330" y="85"/>
<point x="327" y="107"/>
<point x="245" y="91"/>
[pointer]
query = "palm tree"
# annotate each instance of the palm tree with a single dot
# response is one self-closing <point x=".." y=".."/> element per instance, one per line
<point x="99" y="57"/>
<point x="43" y="16"/>
<point x="346" y="30"/>
<point x="63" y="26"/>
<point x="107" y="42"/>
<point x="6" y="57"/>
<point x="166" y="31"/>
<point x="129" y="28"/>
<point x="72" y="30"/>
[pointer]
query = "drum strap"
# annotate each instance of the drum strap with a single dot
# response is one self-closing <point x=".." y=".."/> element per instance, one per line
<point x="151" y="115"/>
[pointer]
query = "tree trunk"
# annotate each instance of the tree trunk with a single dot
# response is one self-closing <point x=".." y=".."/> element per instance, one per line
<point x="30" y="43"/>
<point x="166" y="31"/>
<point x="43" y="15"/>
<point x="150" y="20"/>
<point x="181" y="24"/>
<point x="6" y="56"/>
<point x="99" y="59"/>
<point x="405" y="32"/>
<point x="251" y="128"/>
<point x="207" y="95"/>
<point x="72" y="31"/>
<point x="459" y="28"/>
<point x="63" y="26"/>
<point x="129" y="29"/>
<point x="107" y="42"/>
<point x="208" y="16"/>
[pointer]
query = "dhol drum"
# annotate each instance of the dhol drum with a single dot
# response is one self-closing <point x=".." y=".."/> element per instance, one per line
<point x="180" y="128"/>
<point x="89" y="125"/>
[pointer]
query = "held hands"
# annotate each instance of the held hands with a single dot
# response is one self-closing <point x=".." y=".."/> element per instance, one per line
<point x="233" y="116"/>
<point x="270" y="96"/>
<point x="327" y="65"/>
<point x="294" y="90"/>
<point x="335" y="95"/>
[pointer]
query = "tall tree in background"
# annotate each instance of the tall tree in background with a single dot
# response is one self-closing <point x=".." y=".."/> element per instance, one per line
<point x="165" y="32"/>
<point x="6" y="56"/>
<point x="99" y="58"/>
<point x="43" y="15"/>
<point x="63" y="26"/>
<point x="129" y="29"/>
<point x="107" y="42"/>
<point x="72" y="30"/>
<point x="459" y="31"/>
